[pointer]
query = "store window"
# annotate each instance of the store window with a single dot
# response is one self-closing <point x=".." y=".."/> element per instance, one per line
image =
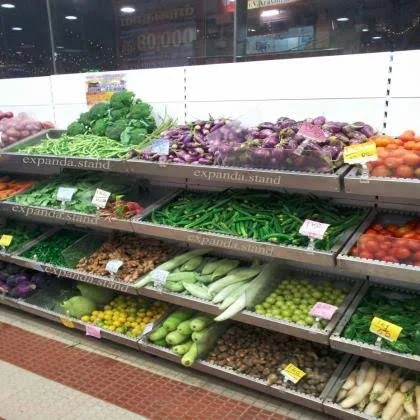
<point x="25" y="48"/>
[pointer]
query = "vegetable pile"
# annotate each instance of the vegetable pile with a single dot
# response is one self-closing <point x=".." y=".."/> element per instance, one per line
<point x="186" y="332"/>
<point x="7" y="114"/>
<point x="264" y="354"/>
<point x="22" y="233"/>
<point x="391" y="243"/>
<point x="45" y="194"/>
<point x="223" y="281"/>
<point x="313" y="145"/>
<point x="126" y="315"/>
<point x="397" y="308"/>
<point x="260" y="215"/>
<point x="10" y="187"/>
<point x="398" y="157"/>
<point x="14" y="129"/>
<point x="293" y="299"/>
<point x="50" y="250"/>
<point x="139" y="256"/>
<point x="380" y="391"/>
<point x="188" y="143"/>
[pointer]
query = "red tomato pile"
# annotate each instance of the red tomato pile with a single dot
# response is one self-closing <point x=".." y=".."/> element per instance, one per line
<point x="391" y="243"/>
<point x="397" y="157"/>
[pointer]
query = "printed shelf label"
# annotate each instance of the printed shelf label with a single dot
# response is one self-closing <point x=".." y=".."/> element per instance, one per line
<point x="112" y="266"/>
<point x="65" y="193"/>
<point x="100" y="199"/>
<point x="93" y="331"/>
<point x="323" y="310"/>
<point x="385" y="329"/>
<point x="6" y="240"/>
<point x="360" y="153"/>
<point x="312" y="229"/>
<point x="292" y="373"/>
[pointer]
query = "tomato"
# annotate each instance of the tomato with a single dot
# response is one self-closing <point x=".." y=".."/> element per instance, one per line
<point x="407" y="135"/>
<point x="384" y="246"/>
<point x="371" y="246"/>
<point x="381" y="171"/>
<point x="402" y="253"/>
<point x="404" y="171"/>
<point x="413" y="244"/>
<point x="411" y="159"/>
<point x="393" y="162"/>
<point x="354" y="252"/>
<point x="417" y="173"/>
<point x="410" y="145"/>
<point x="416" y="256"/>
<point x="382" y="141"/>
<point x="390" y="258"/>
<point x="399" y="142"/>
<point x="416" y="146"/>
<point x="380" y="255"/>
<point x="377" y="227"/>
<point x="392" y="146"/>
<point x="366" y="254"/>
<point x="400" y="152"/>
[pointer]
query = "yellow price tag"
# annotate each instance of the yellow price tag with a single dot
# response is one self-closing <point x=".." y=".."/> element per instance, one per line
<point x="6" y="240"/>
<point x="67" y="322"/>
<point x="385" y="329"/>
<point x="293" y="373"/>
<point x="360" y="153"/>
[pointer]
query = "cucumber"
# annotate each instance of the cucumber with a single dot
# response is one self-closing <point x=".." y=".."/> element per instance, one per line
<point x="158" y="334"/>
<point x="197" y="290"/>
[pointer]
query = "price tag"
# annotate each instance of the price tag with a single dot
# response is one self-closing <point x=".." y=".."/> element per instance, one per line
<point x="323" y="310"/>
<point x="385" y="329"/>
<point x="148" y="327"/>
<point x="160" y="146"/>
<point x="100" y="199"/>
<point x="65" y="193"/>
<point x="67" y="322"/>
<point x="360" y="153"/>
<point x="6" y="240"/>
<point x="93" y="331"/>
<point x="292" y="373"/>
<point x="312" y="132"/>
<point x="312" y="229"/>
<point x="159" y="278"/>
<point x="112" y="266"/>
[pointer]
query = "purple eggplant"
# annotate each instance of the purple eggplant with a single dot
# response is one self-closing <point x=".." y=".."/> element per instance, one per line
<point x="39" y="279"/>
<point x="15" y="279"/>
<point x="319" y="121"/>
<point x="22" y="290"/>
<point x="4" y="288"/>
<point x="367" y="130"/>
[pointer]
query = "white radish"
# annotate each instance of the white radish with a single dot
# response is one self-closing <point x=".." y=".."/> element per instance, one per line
<point x="362" y="391"/>
<point x="393" y="406"/>
<point x="418" y="401"/>
<point x="399" y="414"/>
<point x="409" y="406"/>
<point x="373" y="409"/>
<point x="341" y="395"/>
<point x="361" y="375"/>
<point x="407" y="386"/>
<point x="380" y="383"/>
<point x="394" y="382"/>
<point x="362" y="404"/>
<point x="350" y="381"/>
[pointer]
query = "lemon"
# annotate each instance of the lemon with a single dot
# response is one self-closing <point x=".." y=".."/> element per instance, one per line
<point x="85" y="318"/>
<point x="117" y="323"/>
<point x="111" y="328"/>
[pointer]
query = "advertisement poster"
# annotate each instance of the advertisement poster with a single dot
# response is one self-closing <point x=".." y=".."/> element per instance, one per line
<point x="101" y="88"/>
<point x="160" y="33"/>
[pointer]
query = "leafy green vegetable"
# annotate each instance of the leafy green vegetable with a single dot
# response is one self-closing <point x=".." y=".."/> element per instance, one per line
<point x="133" y="136"/>
<point x="76" y="128"/>
<point x="398" y="308"/>
<point x="85" y="118"/>
<point x="22" y="233"/>
<point x="99" y="127"/>
<point x="140" y="110"/>
<point x="121" y="99"/>
<point x="115" y="129"/>
<point x="119" y="114"/>
<point x="98" y="111"/>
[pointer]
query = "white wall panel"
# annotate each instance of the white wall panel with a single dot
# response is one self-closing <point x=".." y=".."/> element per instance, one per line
<point x="254" y="112"/>
<point x="403" y="114"/>
<point x="150" y="85"/>
<point x="405" y="80"/>
<point x="343" y="76"/>
<point x="25" y="91"/>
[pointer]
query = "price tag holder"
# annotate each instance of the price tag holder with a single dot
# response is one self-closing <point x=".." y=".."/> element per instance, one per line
<point x="112" y="266"/>
<point x="159" y="278"/>
<point x="322" y="310"/>
<point x="65" y="194"/>
<point x="148" y="327"/>
<point x="160" y="147"/>
<point x="100" y="199"/>
<point x="384" y="330"/>
<point x="292" y="373"/>
<point x="67" y="322"/>
<point x="93" y="331"/>
<point x="313" y="230"/>
<point x="5" y="241"/>
<point x="360" y="153"/>
<point x="312" y="132"/>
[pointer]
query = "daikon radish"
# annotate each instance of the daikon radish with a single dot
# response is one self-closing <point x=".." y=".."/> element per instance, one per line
<point x="418" y="401"/>
<point x="350" y="381"/>
<point x="373" y="409"/>
<point x="409" y="406"/>
<point x="361" y="375"/>
<point x="380" y="383"/>
<point x="394" y="382"/>
<point x="341" y="395"/>
<point x="407" y="386"/>
<point x="361" y="391"/>
<point x="399" y="414"/>
<point x="393" y="406"/>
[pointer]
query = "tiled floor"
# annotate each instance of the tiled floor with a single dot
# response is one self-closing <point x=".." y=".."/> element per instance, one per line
<point x="93" y="379"/>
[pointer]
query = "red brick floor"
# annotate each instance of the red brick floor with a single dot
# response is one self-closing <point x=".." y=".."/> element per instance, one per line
<point x="128" y="387"/>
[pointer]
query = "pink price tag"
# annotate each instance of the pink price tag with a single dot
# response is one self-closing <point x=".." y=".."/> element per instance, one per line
<point x="312" y="132"/>
<point x="323" y="310"/>
<point x="93" y="331"/>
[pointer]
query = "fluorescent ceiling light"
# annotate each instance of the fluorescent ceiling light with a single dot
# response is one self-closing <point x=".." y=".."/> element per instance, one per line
<point x="71" y="17"/>
<point x="17" y="28"/>
<point x="128" y="9"/>
<point x="252" y="30"/>
<point x="343" y="19"/>
<point x="8" y="6"/>
<point x="376" y="37"/>
<point x="270" y="13"/>
<point x="59" y="47"/>
<point x="365" y="30"/>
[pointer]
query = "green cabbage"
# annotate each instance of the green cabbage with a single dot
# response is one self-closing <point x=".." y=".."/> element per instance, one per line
<point x="98" y="295"/>
<point x="78" y="306"/>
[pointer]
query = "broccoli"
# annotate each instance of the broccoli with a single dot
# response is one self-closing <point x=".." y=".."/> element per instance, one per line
<point x="133" y="136"/>
<point x="121" y="99"/>
<point x="76" y="128"/>
<point x="140" y="111"/>
<point x="98" y="111"/>
<point x="99" y="127"/>
<point x="148" y="123"/>
<point x="85" y="118"/>
<point x="118" y="114"/>
<point x="115" y="129"/>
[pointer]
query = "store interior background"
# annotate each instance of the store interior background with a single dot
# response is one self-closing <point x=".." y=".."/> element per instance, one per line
<point x="44" y="37"/>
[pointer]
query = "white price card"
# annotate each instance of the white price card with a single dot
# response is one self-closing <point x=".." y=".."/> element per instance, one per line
<point x="65" y="193"/>
<point x="159" y="278"/>
<point x="160" y="146"/>
<point x="100" y="199"/>
<point x="112" y="266"/>
<point x="312" y="229"/>
<point x="147" y="328"/>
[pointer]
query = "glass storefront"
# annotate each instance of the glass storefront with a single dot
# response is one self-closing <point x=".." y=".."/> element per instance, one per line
<point x="42" y="37"/>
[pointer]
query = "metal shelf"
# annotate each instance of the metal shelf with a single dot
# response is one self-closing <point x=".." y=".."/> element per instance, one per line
<point x="384" y="187"/>
<point x="411" y="362"/>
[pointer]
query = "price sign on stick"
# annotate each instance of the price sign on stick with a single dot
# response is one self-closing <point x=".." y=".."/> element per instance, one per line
<point x="112" y="266"/>
<point x="323" y="310"/>
<point x="65" y="194"/>
<point x="160" y="147"/>
<point x="360" y="153"/>
<point x="5" y="240"/>
<point x="148" y="327"/>
<point x="313" y="230"/>
<point x="292" y="373"/>
<point x="159" y="278"/>
<point x="385" y="329"/>
<point x="100" y="199"/>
